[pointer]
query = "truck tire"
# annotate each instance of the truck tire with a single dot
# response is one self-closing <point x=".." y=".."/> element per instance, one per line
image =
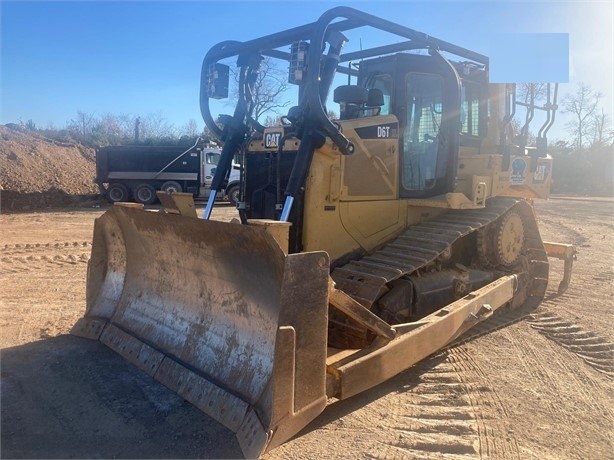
<point x="171" y="186"/>
<point x="145" y="194"/>
<point x="233" y="193"/>
<point x="117" y="192"/>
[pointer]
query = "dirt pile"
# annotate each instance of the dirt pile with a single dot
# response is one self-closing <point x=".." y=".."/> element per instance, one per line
<point x="36" y="172"/>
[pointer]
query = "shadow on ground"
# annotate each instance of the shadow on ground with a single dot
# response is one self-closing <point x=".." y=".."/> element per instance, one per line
<point x="67" y="397"/>
<point x="13" y="201"/>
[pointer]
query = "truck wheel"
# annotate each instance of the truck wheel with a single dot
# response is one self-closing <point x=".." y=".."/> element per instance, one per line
<point x="117" y="192"/>
<point x="171" y="187"/>
<point x="233" y="194"/>
<point x="145" y="194"/>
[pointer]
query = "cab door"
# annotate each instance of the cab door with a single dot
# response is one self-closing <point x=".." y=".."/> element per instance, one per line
<point x="423" y="92"/>
<point x="428" y="108"/>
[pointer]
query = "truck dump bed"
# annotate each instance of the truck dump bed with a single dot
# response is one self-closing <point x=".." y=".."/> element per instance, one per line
<point x="149" y="163"/>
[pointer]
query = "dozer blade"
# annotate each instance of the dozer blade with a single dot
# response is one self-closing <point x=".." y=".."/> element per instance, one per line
<point x="216" y="312"/>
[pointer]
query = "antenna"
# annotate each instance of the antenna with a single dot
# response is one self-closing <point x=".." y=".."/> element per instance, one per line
<point x="360" y="40"/>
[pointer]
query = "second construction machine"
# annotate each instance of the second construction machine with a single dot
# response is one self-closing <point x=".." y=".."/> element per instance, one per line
<point x="365" y="243"/>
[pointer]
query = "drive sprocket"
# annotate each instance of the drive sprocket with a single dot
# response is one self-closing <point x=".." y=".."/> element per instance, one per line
<point x="509" y="238"/>
<point x="501" y="243"/>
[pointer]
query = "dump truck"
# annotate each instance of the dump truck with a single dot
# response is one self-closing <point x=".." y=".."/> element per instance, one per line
<point x="136" y="172"/>
<point x="363" y="245"/>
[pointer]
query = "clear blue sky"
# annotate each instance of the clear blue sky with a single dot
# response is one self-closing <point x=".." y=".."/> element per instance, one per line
<point x="137" y="57"/>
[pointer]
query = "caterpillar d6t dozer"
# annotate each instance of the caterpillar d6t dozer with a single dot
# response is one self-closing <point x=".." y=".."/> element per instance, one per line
<point x="365" y="243"/>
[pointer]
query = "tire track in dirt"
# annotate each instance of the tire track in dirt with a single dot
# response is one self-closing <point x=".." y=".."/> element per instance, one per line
<point x="472" y="424"/>
<point x="434" y="419"/>
<point x="450" y="413"/>
<point x="19" y="258"/>
<point x="10" y="249"/>
<point x="495" y="440"/>
<point x="532" y="358"/>
<point x="593" y="349"/>
<point x="552" y="220"/>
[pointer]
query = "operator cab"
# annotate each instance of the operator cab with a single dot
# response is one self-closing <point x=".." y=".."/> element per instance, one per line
<point x="424" y="92"/>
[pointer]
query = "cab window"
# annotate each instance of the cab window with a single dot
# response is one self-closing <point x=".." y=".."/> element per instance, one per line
<point x="213" y="158"/>
<point x="422" y="128"/>
<point x="383" y="82"/>
<point x="470" y="109"/>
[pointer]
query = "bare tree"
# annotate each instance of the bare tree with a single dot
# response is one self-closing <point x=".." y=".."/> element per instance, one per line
<point x="271" y="120"/>
<point x="270" y="86"/>
<point x="29" y="125"/>
<point x="583" y="106"/>
<point x="208" y="135"/>
<point x="268" y="91"/>
<point x="155" y="127"/>
<point x="113" y="129"/>
<point x="601" y="129"/>
<point x="190" y="129"/>
<point x="82" y="126"/>
<point x="536" y="91"/>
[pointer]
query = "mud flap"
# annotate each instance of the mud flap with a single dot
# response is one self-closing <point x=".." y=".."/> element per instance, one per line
<point x="217" y="313"/>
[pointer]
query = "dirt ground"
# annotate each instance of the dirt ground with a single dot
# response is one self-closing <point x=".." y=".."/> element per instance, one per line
<point x="539" y="388"/>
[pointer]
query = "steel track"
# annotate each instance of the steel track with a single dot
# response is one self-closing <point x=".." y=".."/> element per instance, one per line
<point x="420" y="245"/>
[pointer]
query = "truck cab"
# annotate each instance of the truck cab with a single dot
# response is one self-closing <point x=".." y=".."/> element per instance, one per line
<point x="208" y="168"/>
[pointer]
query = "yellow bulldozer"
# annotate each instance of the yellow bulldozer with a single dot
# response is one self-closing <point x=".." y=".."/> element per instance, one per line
<point x="366" y="242"/>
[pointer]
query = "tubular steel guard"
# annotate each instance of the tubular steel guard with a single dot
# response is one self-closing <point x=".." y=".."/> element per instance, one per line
<point x="217" y="313"/>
